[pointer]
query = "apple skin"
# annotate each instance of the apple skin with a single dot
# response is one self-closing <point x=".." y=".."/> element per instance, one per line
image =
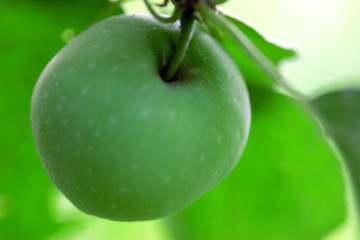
<point x="118" y="141"/>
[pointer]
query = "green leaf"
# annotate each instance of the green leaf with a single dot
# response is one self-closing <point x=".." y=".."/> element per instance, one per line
<point x="339" y="111"/>
<point x="251" y="71"/>
<point x="287" y="185"/>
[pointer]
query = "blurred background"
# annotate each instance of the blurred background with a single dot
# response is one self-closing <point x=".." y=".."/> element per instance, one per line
<point x="326" y="34"/>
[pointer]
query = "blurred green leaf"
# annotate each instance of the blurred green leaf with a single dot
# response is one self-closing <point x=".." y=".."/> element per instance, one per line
<point x="251" y="71"/>
<point x="340" y="113"/>
<point x="287" y="185"/>
<point x="30" y="35"/>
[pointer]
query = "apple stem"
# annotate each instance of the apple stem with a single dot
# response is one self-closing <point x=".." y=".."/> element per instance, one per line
<point x="186" y="34"/>
<point x="178" y="12"/>
<point x="220" y="22"/>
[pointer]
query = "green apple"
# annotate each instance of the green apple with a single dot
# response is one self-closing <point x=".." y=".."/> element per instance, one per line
<point x="121" y="143"/>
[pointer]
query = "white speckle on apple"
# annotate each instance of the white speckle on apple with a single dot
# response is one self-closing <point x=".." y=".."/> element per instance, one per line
<point x="63" y="98"/>
<point x="57" y="84"/>
<point x="55" y="75"/>
<point x="77" y="188"/>
<point x="58" y="107"/>
<point x="84" y="91"/>
<point x="70" y="70"/>
<point x="91" y="121"/>
<point x="92" y="189"/>
<point x="150" y="210"/>
<point x="97" y="133"/>
<point x="145" y="112"/>
<point x="202" y="158"/>
<point x="115" y="68"/>
<point x="112" y="120"/>
<point x="121" y="214"/>
<point x="46" y="95"/>
<point x="89" y="171"/>
<point x="77" y="134"/>
<point x="107" y="99"/>
<point x="167" y="179"/>
<point x="134" y="166"/>
<point x="57" y="148"/>
<point x="96" y="46"/>
<point x="172" y="114"/>
<point x="65" y="122"/>
<point x="91" y="65"/>
<point x="90" y="148"/>
<point x="112" y="206"/>
<point x="77" y="153"/>
<point x="219" y="138"/>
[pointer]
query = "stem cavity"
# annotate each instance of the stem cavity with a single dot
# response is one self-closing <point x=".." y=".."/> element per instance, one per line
<point x="183" y="11"/>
